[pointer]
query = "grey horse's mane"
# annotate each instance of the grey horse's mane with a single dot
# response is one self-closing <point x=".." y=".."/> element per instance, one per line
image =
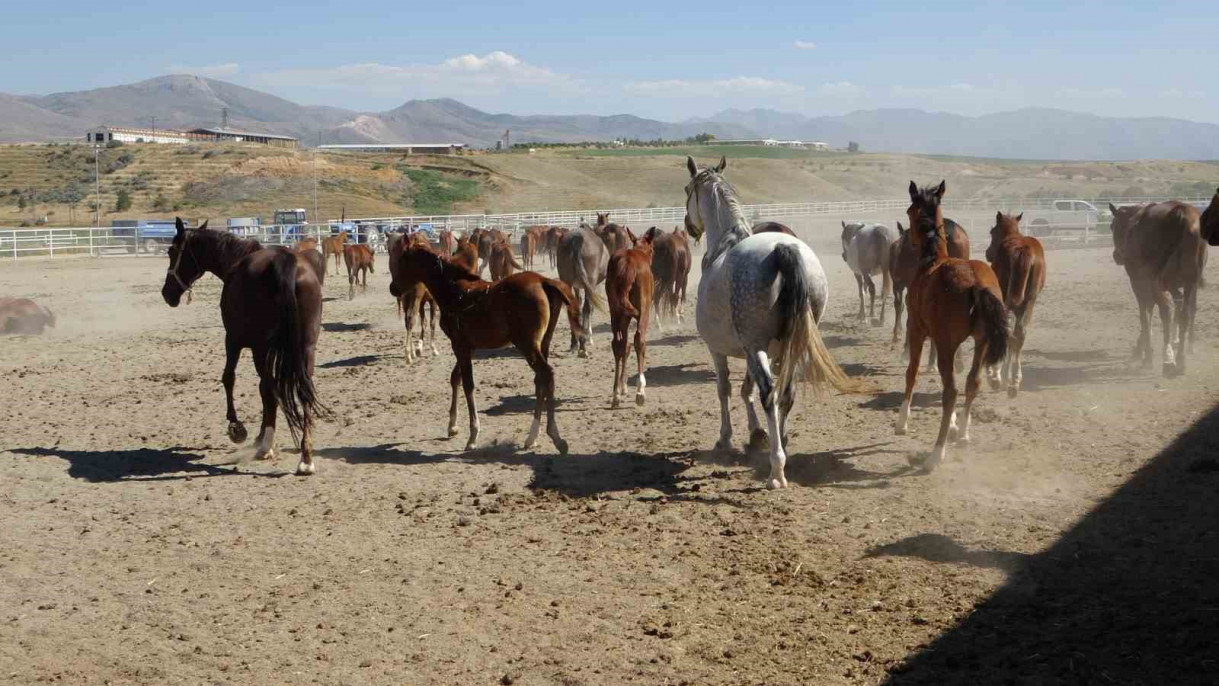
<point x="727" y="212"/>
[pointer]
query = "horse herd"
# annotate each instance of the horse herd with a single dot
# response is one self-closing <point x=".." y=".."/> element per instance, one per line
<point x="761" y="296"/>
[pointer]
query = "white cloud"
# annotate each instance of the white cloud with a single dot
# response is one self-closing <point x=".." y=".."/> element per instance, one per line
<point x="468" y="74"/>
<point x="214" y="70"/>
<point x="1178" y="93"/>
<point x="804" y="45"/>
<point x="739" y="85"/>
<point x="839" y="89"/>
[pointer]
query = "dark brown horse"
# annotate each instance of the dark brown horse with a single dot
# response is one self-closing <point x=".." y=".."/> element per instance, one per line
<point x="24" y="317"/>
<point x="670" y="271"/>
<point x="502" y="263"/>
<point x="951" y="301"/>
<point x="307" y="248"/>
<point x="485" y="240"/>
<point x="521" y="310"/>
<point x="614" y="236"/>
<point x="333" y="246"/>
<point x="1019" y="263"/>
<point x="529" y="243"/>
<point x="1161" y="247"/>
<point x="904" y="262"/>
<point x="271" y="302"/>
<point x="413" y="301"/>
<point x="359" y="259"/>
<point x="1209" y="221"/>
<point x="628" y="289"/>
<point x="550" y="244"/>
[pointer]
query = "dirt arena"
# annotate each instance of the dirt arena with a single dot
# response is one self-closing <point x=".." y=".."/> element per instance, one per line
<point x="1074" y="542"/>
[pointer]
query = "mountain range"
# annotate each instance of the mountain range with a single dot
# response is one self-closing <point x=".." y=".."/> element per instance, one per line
<point x="182" y="101"/>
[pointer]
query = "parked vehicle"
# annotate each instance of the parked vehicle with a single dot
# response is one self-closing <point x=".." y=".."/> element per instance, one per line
<point x="288" y="226"/>
<point x="1062" y="215"/>
<point x="244" y="226"/>
<point x="152" y="235"/>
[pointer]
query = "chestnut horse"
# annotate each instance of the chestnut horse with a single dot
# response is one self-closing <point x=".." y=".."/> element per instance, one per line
<point x="951" y="300"/>
<point x="550" y="244"/>
<point x="615" y="237"/>
<point x="1019" y="263"/>
<point x="501" y="261"/>
<point x="271" y="303"/>
<point x="466" y="254"/>
<point x="333" y="246"/>
<point x="447" y="242"/>
<point x="24" y="316"/>
<point x="528" y="246"/>
<point x="359" y="259"/>
<point x="670" y="271"/>
<point x="416" y="300"/>
<point x="628" y="290"/>
<point x="1161" y="247"/>
<point x="521" y="310"/>
<point x="904" y="263"/>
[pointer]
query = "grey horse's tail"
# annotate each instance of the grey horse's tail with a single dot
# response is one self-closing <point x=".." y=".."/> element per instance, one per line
<point x="802" y="352"/>
<point x="585" y="281"/>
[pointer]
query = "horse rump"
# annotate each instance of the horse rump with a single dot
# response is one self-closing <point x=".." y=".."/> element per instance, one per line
<point x="286" y="352"/>
<point x="801" y="346"/>
<point x="557" y="289"/>
<point x="988" y="309"/>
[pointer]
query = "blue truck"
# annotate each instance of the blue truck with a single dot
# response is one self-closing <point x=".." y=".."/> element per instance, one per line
<point x="287" y="226"/>
<point x="149" y="235"/>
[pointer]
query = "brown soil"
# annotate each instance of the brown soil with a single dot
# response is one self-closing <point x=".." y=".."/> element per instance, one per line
<point x="1073" y="542"/>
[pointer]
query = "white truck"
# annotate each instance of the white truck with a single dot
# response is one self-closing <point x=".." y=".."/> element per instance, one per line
<point x="1064" y="215"/>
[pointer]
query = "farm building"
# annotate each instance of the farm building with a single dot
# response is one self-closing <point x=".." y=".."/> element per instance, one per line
<point x="773" y="142"/>
<point x="124" y="134"/>
<point x="404" y="148"/>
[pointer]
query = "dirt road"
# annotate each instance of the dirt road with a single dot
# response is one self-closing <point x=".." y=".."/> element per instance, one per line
<point x="136" y="547"/>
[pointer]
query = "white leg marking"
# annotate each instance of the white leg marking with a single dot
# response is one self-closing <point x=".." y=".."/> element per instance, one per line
<point x="903" y="418"/>
<point x="266" y="447"/>
<point x="641" y="391"/>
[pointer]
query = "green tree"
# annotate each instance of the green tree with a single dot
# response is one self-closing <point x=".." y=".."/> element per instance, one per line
<point x="852" y="147"/>
<point x="122" y="202"/>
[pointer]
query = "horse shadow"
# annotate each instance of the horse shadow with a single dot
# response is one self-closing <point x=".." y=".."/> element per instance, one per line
<point x="827" y="468"/>
<point x="892" y="400"/>
<point x="676" y="375"/>
<point x="386" y="453"/>
<point x="835" y="341"/>
<point x="1128" y="595"/>
<point x="357" y="361"/>
<point x="942" y="549"/>
<point x="674" y="339"/>
<point x="582" y="476"/>
<point x="344" y="327"/>
<point x="863" y="369"/>
<point x="140" y="464"/>
<point x="1070" y="355"/>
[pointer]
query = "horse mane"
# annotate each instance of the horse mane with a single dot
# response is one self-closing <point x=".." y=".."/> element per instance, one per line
<point x="728" y="213"/>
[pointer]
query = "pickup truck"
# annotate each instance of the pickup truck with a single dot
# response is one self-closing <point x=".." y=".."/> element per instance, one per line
<point x="151" y="235"/>
<point x="1063" y="215"/>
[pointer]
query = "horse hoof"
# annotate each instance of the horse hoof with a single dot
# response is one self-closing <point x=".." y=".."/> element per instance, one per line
<point x="615" y="403"/>
<point x="775" y="484"/>
<point x="471" y="445"/>
<point x="723" y="444"/>
<point x="1013" y="391"/>
<point x="876" y="322"/>
<point x="268" y="454"/>
<point x="561" y="445"/>
<point x="237" y="432"/>
<point x="582" y="353"/>
<point x="452" y="431"/>
<point x="304" y="469"/>
<point x="953" y="434"/>
<point x="640" y="399"/>
<point x="899" y="431"/>
<point x="1171" y="370"/>
<point x="758" y="441"/>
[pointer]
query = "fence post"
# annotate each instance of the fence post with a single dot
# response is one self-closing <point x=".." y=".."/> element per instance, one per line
<point x="91" y="242"/>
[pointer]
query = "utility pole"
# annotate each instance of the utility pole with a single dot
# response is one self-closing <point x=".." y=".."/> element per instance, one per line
<point x="315" y="152"/>
<point x="154" y="127"/>
<point x="97" y="190"/>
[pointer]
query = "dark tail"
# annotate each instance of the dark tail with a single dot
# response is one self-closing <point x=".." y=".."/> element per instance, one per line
<point x="286" y="354"/>
<point x="993" y="315"/>
<point x="554" y="287"/>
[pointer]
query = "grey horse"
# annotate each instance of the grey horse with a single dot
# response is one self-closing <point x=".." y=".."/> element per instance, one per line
<point x="582" y="261"/>
<point x="865" y="249"/>
<point x="760" y="297"/>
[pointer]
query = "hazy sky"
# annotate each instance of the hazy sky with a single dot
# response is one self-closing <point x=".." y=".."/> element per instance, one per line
<point x="671" y="61"/>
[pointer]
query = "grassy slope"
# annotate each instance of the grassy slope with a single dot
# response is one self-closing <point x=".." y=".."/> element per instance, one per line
<point x="241" y="180"/>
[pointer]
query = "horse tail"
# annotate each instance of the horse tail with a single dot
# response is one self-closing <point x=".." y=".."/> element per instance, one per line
<point x="1018" y="277"/>
<point x="286" y="353"/>
<point x="583" y="280"/>
<point x="989" y="310"/>
<point x="553" y="288"/>
<point x="801" y="346"/>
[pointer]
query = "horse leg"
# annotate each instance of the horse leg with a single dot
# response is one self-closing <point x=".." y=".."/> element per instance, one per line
<point x="787" y="398"/>
<point x="871" y="286"/>
<point x="885" y="287"/>
<point x="859" y="286"/>
<point x="931" y="355"/>
<point x="432" y="324"/>
<point x="916" y="354"/>
<point x="724" y="388"/>
<point x="265" y="445"/>
<point x="759" y="370"/>
<point x="409" y="307"/>
<point x="351" y="285"/>
<point x="1164" y="302"/>
<point x="618" y="329"/>
<point x="467" y="384"/>
<point x="586" y="319"/>
<point x="232" y="353"/>
<point x="897" y="314"/>
<point x="1015" y="350"/>
<point x="1181" y="313"/>
<point x="946" y="361"/>
<point x="1142" y="347"/>
<point x="454" y="381"/>
<point x="758" y="438"/>
<point x="972" y="382"/>
<point x="575" y="342"/>
<point x="641" y="355"/>
<point x="306" y="466"/>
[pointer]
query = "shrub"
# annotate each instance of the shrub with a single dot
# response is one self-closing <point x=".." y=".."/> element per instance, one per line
<point x="209" y="154"/>
<point x="122" y="201"/>
<point x="114" y="144"/>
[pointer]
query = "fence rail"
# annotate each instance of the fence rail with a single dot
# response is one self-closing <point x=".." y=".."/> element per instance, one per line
<point x="106" y="241"/>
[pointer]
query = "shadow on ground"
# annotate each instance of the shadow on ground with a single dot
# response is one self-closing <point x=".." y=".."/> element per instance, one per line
<point x="1130" y="595"/>
<point x="141" y="464"/>
<point x="343" y="327"/>
<point x="357" y="361"/>
<point x="940" y="548"/>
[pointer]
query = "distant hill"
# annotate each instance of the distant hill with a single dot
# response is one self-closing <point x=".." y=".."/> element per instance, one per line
<point x="1030" y="133"/>
<point x="181" y="101"/>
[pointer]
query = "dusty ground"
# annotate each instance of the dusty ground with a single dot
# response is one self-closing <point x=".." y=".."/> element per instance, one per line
<point x="1069" y="544"/>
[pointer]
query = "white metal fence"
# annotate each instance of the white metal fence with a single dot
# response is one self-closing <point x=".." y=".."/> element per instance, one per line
<point x="106" y="241"/>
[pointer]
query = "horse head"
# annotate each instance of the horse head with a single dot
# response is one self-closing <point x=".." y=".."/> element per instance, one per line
<point x="926" y="217"/>
<point x="848" y="235"/>
<point x="1123" y="221"/>
<point x="184" y="267"/>
<point x="1210" y="221"/>
<point x="701" y="194"/>
<point x="1005" y="227"/>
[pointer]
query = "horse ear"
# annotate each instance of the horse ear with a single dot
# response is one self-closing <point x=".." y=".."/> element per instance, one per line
<point x="913" y="190"/>
<point x="1112" y="208"/>
<point x="998" y="216"/>
<point x="204" y="224"/>
<point x="691" y="166"/>
<point x="939" y="192"/>
<point x="723" y="164"/>
<point x="901" y="230"/>
<point x="1019" y="217"/>
<point x="178" y="223"/>
<point x="844" y="224"/>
